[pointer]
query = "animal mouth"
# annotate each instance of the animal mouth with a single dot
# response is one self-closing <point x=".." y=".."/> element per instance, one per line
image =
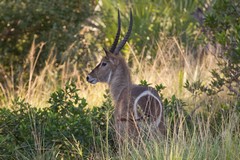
<point x="93" y="81"/>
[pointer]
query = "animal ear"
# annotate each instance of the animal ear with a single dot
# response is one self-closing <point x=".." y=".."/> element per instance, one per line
<point x="107" y="52"/>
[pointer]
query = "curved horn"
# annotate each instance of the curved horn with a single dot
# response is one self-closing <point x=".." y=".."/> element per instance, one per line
<point x="117" y="34"/>
<point x="127" y="35"/>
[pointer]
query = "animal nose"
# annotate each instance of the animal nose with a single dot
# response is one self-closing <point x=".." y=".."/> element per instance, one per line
<point x="87" y="78"/>
<point x="91" y="79"/>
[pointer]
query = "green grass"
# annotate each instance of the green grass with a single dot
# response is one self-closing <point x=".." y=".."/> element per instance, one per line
<point x="199" y="143"/>
<point x="180" y="144"/>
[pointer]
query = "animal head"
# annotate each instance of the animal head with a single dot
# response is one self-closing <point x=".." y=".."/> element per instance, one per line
<point x="105" y="69"/>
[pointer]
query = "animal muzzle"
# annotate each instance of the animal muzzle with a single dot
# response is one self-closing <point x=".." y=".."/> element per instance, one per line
<point x="91" y="79"/>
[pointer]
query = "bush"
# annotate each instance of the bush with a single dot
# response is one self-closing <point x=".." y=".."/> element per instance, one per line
<point x="64" y="124"/>
<point x="153" y="21"/>
<point x="55" y="23"/>
<point x="221" y="28"/>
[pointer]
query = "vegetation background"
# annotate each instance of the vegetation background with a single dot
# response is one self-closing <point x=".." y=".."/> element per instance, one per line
<point x="188" y="50"/>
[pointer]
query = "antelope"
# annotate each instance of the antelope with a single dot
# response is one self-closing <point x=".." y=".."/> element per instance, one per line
<point x="134" y="104"/>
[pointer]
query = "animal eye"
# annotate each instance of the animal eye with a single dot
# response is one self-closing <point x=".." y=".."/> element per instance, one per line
<point x="104" y="64"/>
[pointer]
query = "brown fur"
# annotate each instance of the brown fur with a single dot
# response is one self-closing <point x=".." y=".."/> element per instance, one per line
<point x="124" y="93"/>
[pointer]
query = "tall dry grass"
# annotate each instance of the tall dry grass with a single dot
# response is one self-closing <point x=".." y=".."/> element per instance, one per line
<point x="172" y="66"/>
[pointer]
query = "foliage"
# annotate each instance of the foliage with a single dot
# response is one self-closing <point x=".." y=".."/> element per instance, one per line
<point x="65" y="122"/>
<point x="15" y="127"/>
<point x="68" y="116"/>
<point x="144" y="83"/>
<point x="197" y="88"/>
<point x="213" y="112"/>
<point x="221" y="28"/>
<point x="55" y="23"/>
<point x="153" y="20"/>
<point x="102" y="119"/>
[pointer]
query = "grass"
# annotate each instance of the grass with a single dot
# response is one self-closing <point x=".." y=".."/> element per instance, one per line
<point x="198" y="144"/>
<point x="172" y="66"/>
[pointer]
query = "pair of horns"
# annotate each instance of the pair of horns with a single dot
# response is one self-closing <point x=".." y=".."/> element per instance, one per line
<point x="114" y="48"/>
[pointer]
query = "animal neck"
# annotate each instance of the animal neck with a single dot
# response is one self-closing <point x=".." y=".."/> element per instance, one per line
<point x="121" y="79"/>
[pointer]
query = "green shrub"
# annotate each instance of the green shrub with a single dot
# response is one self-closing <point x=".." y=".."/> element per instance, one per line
<point x="64" y="124"/>
<point x="153" y="21"/>
<point x="55" y="23"/>
<point x="221" y="29"/>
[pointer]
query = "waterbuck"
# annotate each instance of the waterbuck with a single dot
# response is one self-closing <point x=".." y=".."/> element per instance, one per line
<point x="136" y="107"/>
